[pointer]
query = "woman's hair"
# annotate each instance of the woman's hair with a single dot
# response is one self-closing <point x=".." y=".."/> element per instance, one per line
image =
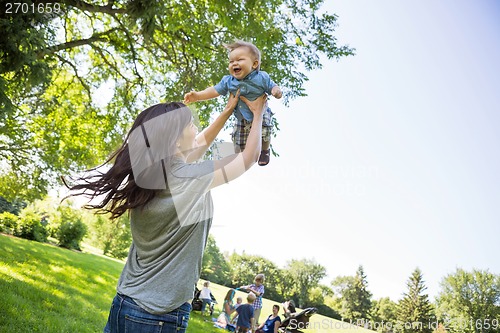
<point x="229" y="295"/>
<point x="206" y="284"/>
<point x="119" y="185"/>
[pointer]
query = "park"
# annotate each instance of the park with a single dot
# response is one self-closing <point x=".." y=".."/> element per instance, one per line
<point x="137" y="155"/>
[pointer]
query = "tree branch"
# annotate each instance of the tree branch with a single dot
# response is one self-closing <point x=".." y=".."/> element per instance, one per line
<point x="75" y="69"/>
<point x="84" y="6"/>
<point x="105" y="59"/>
<point x="75" y="43"/>
<point x="132" y="47"/>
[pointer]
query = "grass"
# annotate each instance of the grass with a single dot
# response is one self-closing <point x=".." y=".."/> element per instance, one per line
<point x="48" y="289"/>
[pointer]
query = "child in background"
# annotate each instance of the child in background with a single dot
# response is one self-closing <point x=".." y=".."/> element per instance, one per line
<point x="245" y="315"/>
<point x="205" y="296"/>
<point x="257" y="288"/>
<point x="239" y="300"/>
<point x="245" y="75"/>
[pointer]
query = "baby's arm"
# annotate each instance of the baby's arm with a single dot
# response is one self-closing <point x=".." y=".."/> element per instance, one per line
<point x="270" y="86"/>
<point x="195" y="96"/>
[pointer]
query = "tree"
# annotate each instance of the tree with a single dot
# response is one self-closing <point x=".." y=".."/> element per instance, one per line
<point x="113" y="237"/>
<point x="415" y="312"/>
<point x="11" y="207"/>
<point x="245" y="267"/>
<point x="71" y="81"/>
<point x="383" y="315"/>
<point x="215" y="267"/>
<point x="305" y="275"/>
<point x="355" y="297"/>
<point x="319" y="297"/>
<point x="470" y="301"/>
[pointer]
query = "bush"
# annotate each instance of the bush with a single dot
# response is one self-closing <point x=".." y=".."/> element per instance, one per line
<point x="112" y="237"/>
<point x="8" y="222"/>
<point x="325" y="310"/>
<point x="30" y="227"/>
<point x="71" y="233"/>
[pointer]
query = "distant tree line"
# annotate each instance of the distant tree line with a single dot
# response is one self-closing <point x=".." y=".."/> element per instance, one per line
<point x="468" y="302"/>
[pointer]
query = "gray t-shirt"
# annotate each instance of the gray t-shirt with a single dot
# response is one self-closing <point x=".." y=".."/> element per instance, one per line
<point x="168" y="239"/>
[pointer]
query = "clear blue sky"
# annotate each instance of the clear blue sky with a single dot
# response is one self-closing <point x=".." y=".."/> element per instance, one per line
<point x="393" y="160"/>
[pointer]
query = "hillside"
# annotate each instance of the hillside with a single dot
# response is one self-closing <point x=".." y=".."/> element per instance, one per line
<point x="49" y="289"/>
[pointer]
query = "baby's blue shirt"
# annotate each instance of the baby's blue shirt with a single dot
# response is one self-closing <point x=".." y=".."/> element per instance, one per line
<point x="252" y="86"/>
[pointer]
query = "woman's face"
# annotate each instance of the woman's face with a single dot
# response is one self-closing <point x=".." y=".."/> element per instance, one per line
<point x="275" y="310"/>
<point x="187" y="141"/>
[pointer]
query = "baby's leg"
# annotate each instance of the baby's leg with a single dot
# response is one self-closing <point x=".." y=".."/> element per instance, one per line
<point x="240" y="134"/>
<point x="238" y="148"/>
<point x="265" y="154"/>
<point x="266" y="144"/>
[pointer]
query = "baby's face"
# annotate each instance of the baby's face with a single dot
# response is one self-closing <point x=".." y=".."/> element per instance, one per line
<point x="241" y="62"/>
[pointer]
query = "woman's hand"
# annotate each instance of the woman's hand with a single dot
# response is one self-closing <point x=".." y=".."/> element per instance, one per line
<point x="232" y="102"/>
<point x="208" y="135"/>
<point x="257" y="106"/>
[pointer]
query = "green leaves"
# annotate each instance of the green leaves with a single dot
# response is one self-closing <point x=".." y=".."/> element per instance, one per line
<point x="355" y="297"/>
<point x="470" y="301"/>
<point x="415" y="307"/>
<point x="53" y="70"/>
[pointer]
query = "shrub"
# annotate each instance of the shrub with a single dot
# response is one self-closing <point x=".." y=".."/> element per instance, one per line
<point x="8" y="222"/>
<point x="30" y="227"/>
<point x="71" y="233"/>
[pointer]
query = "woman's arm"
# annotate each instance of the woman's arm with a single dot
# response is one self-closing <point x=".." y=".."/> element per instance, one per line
<point x="208" y="135"/>
<point x="233" y="166"/>
<point x="228" y="309"/>
<point x="276" y="326"/>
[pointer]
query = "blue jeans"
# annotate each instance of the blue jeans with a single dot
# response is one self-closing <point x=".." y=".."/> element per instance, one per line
<point x="126" y="316"/>
<point x="204" y="303"/>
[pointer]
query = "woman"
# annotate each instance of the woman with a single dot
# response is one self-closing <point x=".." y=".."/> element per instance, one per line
<point x="227" y="309"/>
<point x="170" y="208"/>
<point x="272" y="322"/>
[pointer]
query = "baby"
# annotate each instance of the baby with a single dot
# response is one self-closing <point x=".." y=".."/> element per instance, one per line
<point x="245" y="74"/>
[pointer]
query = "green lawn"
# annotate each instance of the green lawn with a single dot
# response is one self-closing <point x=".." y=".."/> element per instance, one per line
<point x="48" y="289"/>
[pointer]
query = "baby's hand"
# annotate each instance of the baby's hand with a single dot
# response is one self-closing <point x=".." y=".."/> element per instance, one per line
<point x="276" y="92"/>
<point x="190" y="97"/>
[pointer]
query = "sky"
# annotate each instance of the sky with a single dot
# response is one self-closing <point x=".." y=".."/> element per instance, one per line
<point x="392" y="160"/>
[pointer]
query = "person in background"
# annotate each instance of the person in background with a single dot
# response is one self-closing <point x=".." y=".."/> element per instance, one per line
<point x="228" y="308"/>
<point x="239" y="301"/>
<point x="205" y="297"/>
<point x="246" y="315"/>
<point x="289" y="308"/>
<point x="272" y="322"/>
<point x="258" y="289"/>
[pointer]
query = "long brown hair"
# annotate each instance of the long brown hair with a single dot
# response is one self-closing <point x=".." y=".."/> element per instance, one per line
<point x="118" y="184"/>
<point x="230" y="295"/>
